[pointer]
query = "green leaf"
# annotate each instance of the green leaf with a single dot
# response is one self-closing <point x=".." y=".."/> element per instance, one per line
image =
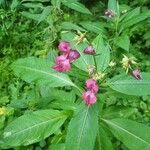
<point x="134" y="135"/>
<point x="114" y="6"/>
<point x="129" y="85"/>
<point x="95" y="27"/>
<point x="56" y="3"/>
<point x="82" y="128"/>
<point x="39" y="70"/>
<point x="118" y="112"/>
<point x="71" y="26"/>
<point x="104" y="57"/>
<point x="130" y="14"/>
<point x="134" y="20"/>
<point x="78" y="7"/>
<point x="57" y="147"/>
<point x="123" y="41"/>
<point x="33" y="127"/>
<point x="103" y="142"/>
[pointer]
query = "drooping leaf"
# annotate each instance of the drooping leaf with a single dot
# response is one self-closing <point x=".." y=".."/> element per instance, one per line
<point x="82" y="128"/>
<point x="134" y="135"/>
<point x="33" y="127"/>
<point x="103" y="58"/>
<point x="129" y="85"/>
<point x="123" y="41"/>
<point x="77" y="6"/>
<point x="39" y="70"/>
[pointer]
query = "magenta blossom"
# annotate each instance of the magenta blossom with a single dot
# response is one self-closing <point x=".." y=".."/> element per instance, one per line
<point x="136" y="74"/>
<point x="109" y="13"/>
<point x="62" y="64"/>
<point x="89" y="97"/>
<point x="64" y="47"/>
<point x="89" y="50"/>
<point x="73" y="55"/>
<point x="92" y="86"/>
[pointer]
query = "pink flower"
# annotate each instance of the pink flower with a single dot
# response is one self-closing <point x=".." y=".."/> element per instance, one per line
<point x="92" y="86"/>
<point x="136" y="74"/>
<point x="109" y="13"/>
<point x="62" y="64"/>
<point x="73" y="55"/>
<point x="89" y="97"/>
<point x="89" y="50"/>
<point x="64" y="47"/>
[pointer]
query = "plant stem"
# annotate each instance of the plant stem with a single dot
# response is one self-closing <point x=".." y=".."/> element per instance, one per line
<point x="95" y="62"/>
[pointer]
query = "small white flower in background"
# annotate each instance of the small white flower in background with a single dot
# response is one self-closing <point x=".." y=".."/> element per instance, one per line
<point x="127" y="62"/>
<point x="112" y="64"/>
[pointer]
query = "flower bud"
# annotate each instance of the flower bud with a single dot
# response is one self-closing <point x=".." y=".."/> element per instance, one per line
<point x="73" y="55"/>
<point x="109" y="13"/>
<point x="62" y="64"/>
<point x="89" y="50"/>
<point x="64" y="47"/>
<point x="136" y="74"/>
<point x="89" y="97"/>
<point x="92" y="86"/>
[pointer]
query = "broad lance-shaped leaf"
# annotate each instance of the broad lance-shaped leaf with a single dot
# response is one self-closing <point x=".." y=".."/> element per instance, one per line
<point x="129" y="85"/>
<point x="77" y="6"/>
<point x="95" y="27"/>
<point x="33" y="127"/>
<point x="39" y="70"/>
<point x="134" y="135"/>
<point x="103" y="58"/>
<point x="82" y="129"/>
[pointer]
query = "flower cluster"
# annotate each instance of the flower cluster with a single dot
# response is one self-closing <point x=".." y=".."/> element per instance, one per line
<point x="68" y="55"/>
<point x="109" y="13"/>
<point x="92" y="88"/>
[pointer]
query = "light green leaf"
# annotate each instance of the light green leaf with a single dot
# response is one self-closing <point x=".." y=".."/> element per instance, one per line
<point x="33" y="127"/>
<point x="71" y="26"/>
<point x="39" y="70"/>
<point x="78" y="7"/>
<point x="130" y="14"/>
<point x="104" y="53"/>
<point x="114" y="6"/>
<point x="82" y="129"/>
<point x="136" y="19"/>
<point x="134" y="135"/>
<point x="118" y="112"/>
<point x="129" y="85"/>
<point x="103" y="142"/>
<point x="95" y="27"/>
<point x="56" y="3"/>
<point x="123" y="41"/>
